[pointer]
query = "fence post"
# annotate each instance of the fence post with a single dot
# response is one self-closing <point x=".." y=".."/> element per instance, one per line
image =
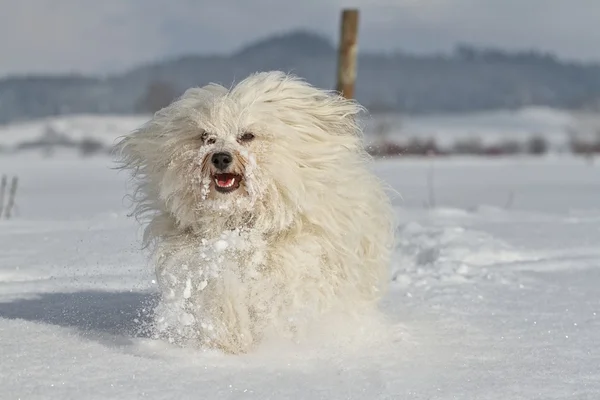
<point x="346" y="74"/>
<point x="11" y="197"/>
<point x="3" y="184"/>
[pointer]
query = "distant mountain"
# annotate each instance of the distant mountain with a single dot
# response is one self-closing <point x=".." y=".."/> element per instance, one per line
<point x="303" y="43"/>
<point x="468" y="79"/>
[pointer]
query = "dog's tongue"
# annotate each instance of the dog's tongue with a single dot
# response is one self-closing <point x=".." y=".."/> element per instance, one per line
<point x="224" y="181"/>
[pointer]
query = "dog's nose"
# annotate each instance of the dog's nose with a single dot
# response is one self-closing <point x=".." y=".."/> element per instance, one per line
<point x="221" y="160"/>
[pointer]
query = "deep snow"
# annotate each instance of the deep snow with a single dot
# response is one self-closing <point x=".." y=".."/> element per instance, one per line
<point x="495" y="293"/>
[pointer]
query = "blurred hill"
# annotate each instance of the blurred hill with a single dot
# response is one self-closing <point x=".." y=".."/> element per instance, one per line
<point x="467" y="79"/>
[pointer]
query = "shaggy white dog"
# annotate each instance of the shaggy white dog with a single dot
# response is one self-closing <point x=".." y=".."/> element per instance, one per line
<point x="263" y="214"/>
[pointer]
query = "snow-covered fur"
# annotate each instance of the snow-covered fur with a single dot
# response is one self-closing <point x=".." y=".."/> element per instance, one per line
<point x="308" y="231"/>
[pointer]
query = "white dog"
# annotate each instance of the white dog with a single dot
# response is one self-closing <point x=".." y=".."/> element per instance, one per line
<point x="263" y="214"/>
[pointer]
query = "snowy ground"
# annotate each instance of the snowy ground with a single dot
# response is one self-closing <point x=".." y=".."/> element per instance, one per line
<point x="488" y="128"/>
<point x="495" y="293"/>
<point x="557" y="127"/>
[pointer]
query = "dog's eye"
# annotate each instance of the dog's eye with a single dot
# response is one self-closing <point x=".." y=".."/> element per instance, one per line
<point x="205" y="137"/>
<point x="246" y="137"/>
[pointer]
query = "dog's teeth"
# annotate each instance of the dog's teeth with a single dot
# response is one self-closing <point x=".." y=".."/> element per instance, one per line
<point x="225" y="184"/>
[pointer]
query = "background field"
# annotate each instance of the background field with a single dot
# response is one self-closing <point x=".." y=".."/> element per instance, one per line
<point x="493" y="293"/>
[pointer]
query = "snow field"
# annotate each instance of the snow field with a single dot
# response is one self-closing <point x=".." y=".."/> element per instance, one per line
<point x="494" y="293"/>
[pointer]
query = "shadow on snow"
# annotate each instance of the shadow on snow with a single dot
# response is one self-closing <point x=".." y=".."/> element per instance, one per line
<point x="94" y="314"/>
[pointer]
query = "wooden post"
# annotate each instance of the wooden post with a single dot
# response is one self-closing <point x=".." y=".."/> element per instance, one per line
<point x="346" y="75"/>
<point x="11" y="197"/>
<point x="3" y="184"/>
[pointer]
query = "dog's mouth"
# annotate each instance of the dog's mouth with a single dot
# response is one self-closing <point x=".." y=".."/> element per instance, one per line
<point x="226" y="183"/>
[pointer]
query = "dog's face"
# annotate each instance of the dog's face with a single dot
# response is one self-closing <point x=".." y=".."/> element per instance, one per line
<point x="224" y="163"/>
<point x="263" y="151"/>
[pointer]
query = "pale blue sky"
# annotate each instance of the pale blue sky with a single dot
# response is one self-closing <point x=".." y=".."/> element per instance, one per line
<point x="97" y="36"/>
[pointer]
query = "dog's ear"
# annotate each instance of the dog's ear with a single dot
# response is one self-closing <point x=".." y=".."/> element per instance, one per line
<point x="167" y="128"/>
<point x="299" y="103"/>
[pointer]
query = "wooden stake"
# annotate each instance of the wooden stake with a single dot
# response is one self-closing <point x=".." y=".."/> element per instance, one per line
<point x="3" y="183"/>
<point x="347" y="53"/>
<point x="11" y="197"/>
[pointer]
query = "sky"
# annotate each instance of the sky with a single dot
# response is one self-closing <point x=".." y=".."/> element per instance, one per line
<point x="106" y="36"/>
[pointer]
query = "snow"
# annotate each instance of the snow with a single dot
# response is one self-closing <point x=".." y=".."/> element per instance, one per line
<point x="491" y="127"/>
<point x="494" y="293"/>
<point x="178" y="314"/>
<point x="104" y="128"/>
<point x="558" y="127"/>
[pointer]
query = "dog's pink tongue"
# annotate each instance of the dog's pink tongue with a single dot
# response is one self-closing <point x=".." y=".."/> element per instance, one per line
<point x="225" y="182"/>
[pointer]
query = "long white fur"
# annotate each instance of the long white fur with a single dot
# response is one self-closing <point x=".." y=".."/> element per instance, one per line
<point x="309" y="234"/>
